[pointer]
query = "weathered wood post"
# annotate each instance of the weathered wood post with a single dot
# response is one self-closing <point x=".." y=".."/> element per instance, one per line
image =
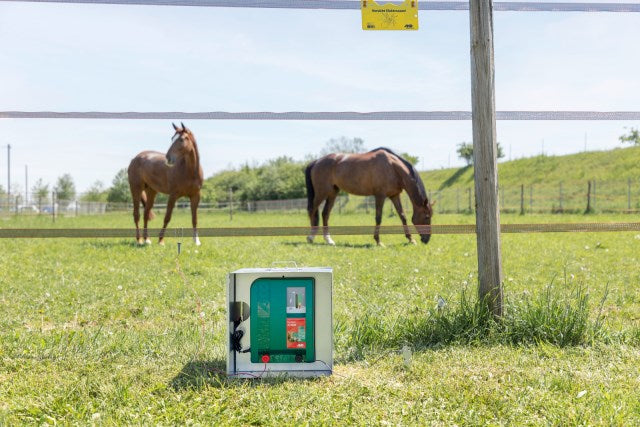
<point x="53" y="205"/>
<point x="588" y="210"/>
<point x="628" y="195"/>
<point x="485" y="154"/>
<point x="560" y="198"/>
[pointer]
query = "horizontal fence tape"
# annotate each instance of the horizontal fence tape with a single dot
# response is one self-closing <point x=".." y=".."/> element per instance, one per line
<point x="352" y="5"/>
<point x="322" y="115"/>
<point x="303" y="231"/>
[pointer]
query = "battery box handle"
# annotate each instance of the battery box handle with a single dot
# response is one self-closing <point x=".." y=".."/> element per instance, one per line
<point x="295" y="264"/>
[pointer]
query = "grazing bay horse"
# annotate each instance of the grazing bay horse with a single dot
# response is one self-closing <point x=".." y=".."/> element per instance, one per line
<point x="177" y="173"/>
<point x="380" y="173"/>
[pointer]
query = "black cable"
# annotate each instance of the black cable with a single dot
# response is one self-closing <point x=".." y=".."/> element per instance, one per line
<point x="236" y="336"/>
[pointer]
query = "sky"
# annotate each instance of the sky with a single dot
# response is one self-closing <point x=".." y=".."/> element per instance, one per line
<point x="73" y="57"/>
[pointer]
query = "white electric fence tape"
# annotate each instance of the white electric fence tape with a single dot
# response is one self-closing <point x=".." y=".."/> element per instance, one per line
<point x="351" y="4"/>
<point x="16" y="233"/>
<point x="323" y="115"/>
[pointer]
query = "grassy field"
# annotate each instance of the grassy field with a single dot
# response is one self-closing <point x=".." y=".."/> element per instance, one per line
<point x="549" y="183"/>
<point x="102" y="331"/>
<point x="610" y="165"/>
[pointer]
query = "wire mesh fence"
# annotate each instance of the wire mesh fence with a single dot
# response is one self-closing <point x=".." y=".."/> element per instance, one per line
<point x="562" y="197"/>
<point x="590" y="196"/>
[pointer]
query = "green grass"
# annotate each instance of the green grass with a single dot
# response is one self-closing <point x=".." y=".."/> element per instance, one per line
<point x="103" y="331"/>
<point x="610" y="165"/>
<point x="548" y="183"/>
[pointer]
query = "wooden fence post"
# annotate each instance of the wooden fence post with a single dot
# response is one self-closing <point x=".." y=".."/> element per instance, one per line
<point x="484" y="155"/>
<point x="588" y="210"/>
<point x="560" y="198"/>
<point x="629" y="195"/>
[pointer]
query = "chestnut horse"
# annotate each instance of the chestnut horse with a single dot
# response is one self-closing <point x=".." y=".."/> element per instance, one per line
<point x="380" y="173"/>
<point x="177" y="173"/>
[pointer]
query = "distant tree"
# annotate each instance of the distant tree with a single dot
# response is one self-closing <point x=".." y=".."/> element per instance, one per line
<point x="16" y="190"/>
<point x="119" y="191"/>
<point x="280" y="178"/>
<point x="632" y="138"/>
<point x="465" y="152"/>
<point x="95" y="193"/>
<point x="40" y="192"/>
<point x="500" y="154"/>
<point x="65" y="188"/>
<point x="343" y="145"/>
<point x="411" y="159"/>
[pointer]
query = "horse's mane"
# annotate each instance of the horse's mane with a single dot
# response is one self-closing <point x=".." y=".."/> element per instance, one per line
<point x="195" y="146"/>
<point x="412" y="170"/>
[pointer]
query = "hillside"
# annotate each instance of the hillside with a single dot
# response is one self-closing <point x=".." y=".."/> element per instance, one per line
<point x="549" y="183"/>
<point x="535" y="184"/>
<point x="614" y="165"/>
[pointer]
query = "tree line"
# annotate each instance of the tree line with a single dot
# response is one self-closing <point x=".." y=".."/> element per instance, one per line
<point x="279" y="178"/>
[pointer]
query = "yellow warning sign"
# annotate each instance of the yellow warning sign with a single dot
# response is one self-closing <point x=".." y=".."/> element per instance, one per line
<point x="389" y="16"/>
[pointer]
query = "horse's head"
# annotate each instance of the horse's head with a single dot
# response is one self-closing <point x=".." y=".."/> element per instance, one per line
<point x="422" y="216"/>
<point x="182" y="143"/>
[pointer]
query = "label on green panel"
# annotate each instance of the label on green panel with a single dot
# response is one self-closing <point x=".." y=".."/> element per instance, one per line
<point x="296" y="334"/>
<point x="296" y="300"/>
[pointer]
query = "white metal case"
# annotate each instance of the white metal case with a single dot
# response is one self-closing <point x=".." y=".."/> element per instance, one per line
<point x="239" y="336"/>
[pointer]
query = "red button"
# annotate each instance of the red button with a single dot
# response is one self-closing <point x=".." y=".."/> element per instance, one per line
<point x="265" y="358"/>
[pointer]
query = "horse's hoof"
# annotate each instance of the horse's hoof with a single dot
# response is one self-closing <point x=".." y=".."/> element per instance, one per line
<point x="147" y="242"/>
<point x="331" y="243"/>
<point x="381" y="245"/>
<point x="161" y="242"/>
<point x="413" y="242"/>
<point x="309" y="239"/>
<point x="140" y="241"/>
<point x="197" y="242"/>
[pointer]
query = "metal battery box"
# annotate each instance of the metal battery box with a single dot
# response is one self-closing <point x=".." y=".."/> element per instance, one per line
<point x="280" y="322"/>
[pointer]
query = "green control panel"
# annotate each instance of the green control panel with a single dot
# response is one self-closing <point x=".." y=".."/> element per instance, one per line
<point x="282" y="320"/>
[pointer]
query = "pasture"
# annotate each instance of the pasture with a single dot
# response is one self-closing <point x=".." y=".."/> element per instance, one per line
<point x="102" y="331"/>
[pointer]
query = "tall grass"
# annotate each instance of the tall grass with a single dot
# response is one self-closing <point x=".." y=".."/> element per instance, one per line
<point x="551" y="317"/>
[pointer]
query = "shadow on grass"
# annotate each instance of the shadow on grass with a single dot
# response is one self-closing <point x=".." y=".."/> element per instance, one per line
<point x="105" y="244"/>
<point x="212" y="373"/>
<point x="346" y="245"/>
<point x="454" y="177"/>
<point x="198" y="373"/>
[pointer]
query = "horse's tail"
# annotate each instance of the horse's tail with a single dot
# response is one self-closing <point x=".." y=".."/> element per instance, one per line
<point x="310" y="191"/>
<point x="143" y="199"/>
